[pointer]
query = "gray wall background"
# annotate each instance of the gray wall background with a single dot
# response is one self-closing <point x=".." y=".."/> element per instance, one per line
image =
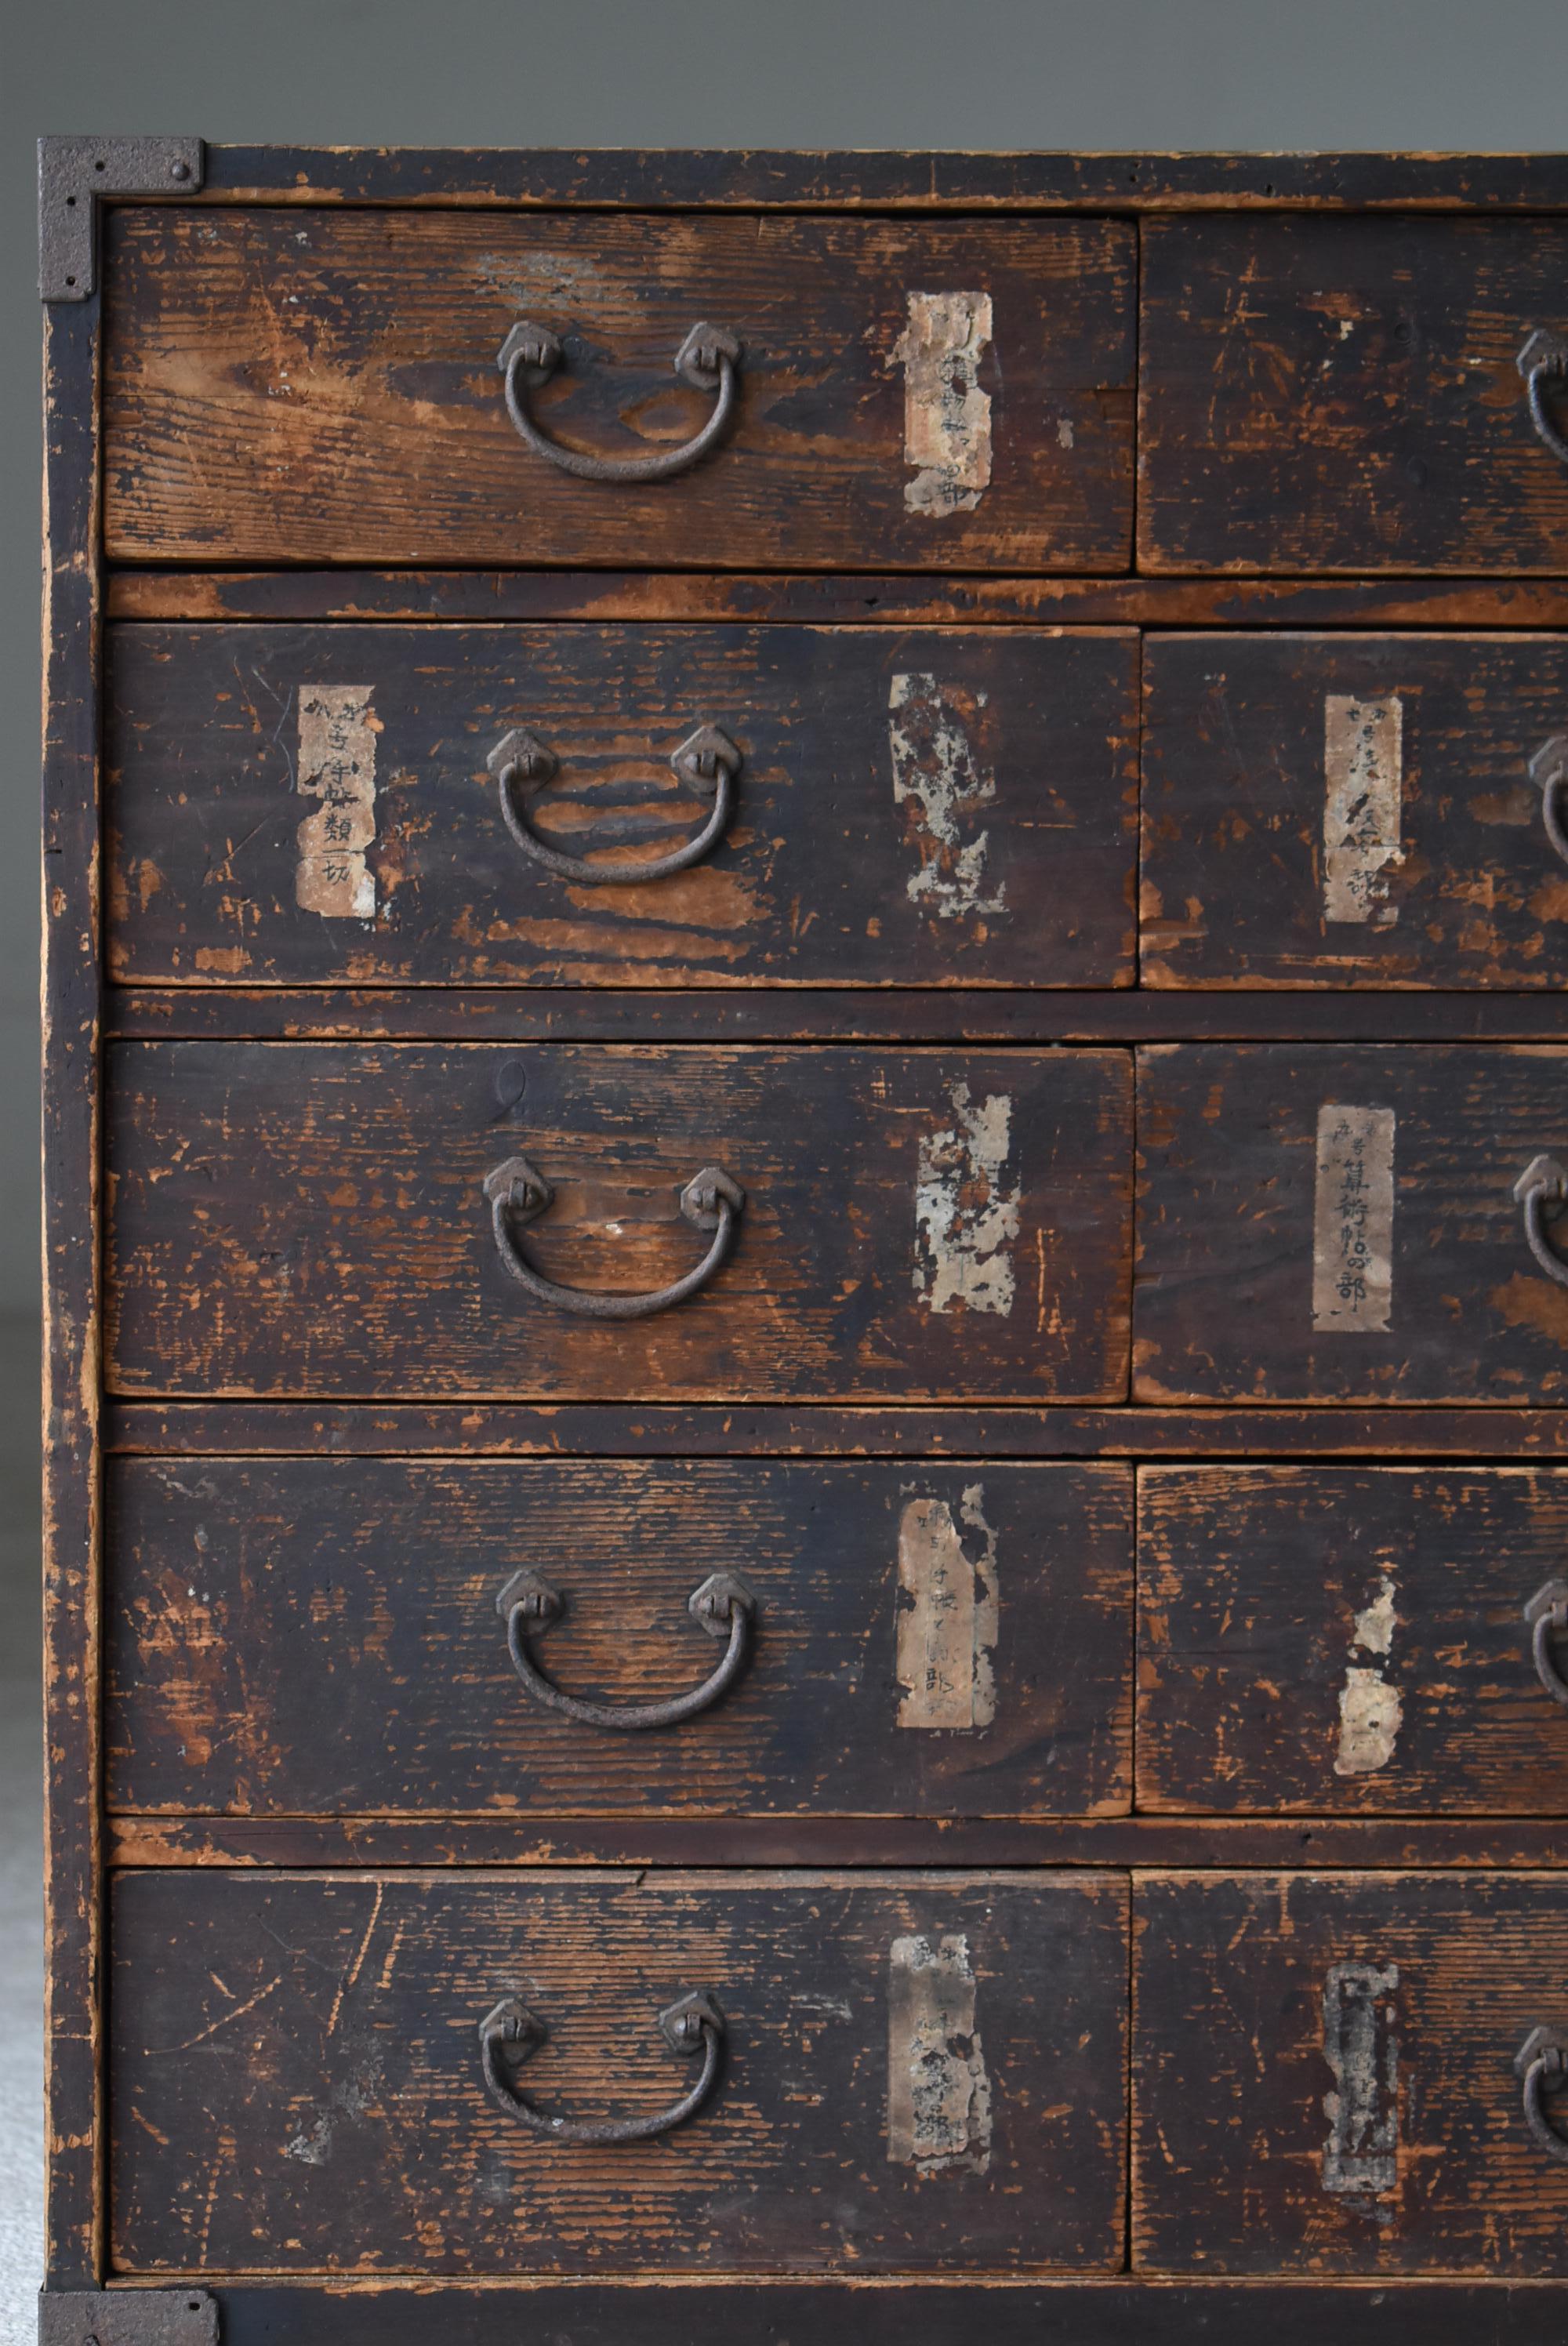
<point x="1158" y="74"/>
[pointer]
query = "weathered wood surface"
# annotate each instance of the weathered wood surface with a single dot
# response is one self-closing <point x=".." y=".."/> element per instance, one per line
<point x="1010" y="2313"/>
<point x="768" y="1014"/>
<point x="943" y="807"/>
<point x="302" y="1219"/>
<point x="194" y="1429"/>
<point x="1324" y="2074"/>
<point x="1239" y="1235"/>
<point x="71" y="1033"/>
<point x="1350" y="811"/>
<point x="829" y="598"/>
<point x="320" y="1638"/>
<point x="296" y="2085"/>
<point x="1333" y="1638"/>
<point x="1199" y="1843"/>
<point x="1342" y="395"/>
<point x="281" y="389"/>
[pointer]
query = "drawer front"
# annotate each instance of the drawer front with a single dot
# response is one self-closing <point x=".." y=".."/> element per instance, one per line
<point x="313" y="805"/>
<point x="302" y="1220"/>
<point x="285" y="387"/>
<point x="1339" y="1224"/>
<point x="1351" y="1639"/>
<point x="333" y="1636"/>
<point x="1353" y="811"/>
<point x="917" y="2074"/>
<point x="1325" y="2076"/>
<point x="1345" y="395"/>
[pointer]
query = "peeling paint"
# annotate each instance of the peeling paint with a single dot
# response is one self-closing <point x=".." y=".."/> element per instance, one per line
<point x="1361" y="2048"/>
<point x="1353" y="1220"/>
<point x="940" y="783"/>
<point x="947" y="417"/>
<point x="947" y="1616"/>
<point x="1370" y="1710"/>
<point x="938" y="2096"/>
<point x="965" y="1214"/>
<point x="1363" y="774"/>
<point x="337" y="766"/>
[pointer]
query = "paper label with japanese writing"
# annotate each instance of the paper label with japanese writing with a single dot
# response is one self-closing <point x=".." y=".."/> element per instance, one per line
<point x="337" y="766"/>
<point x="1363" y="775"/>
<point x="1353" y="1224"/>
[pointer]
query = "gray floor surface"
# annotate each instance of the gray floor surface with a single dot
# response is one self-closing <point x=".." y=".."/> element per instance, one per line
<point x="21" y="1818"/>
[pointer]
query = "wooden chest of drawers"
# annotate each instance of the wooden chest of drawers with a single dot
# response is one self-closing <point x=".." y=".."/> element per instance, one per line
<point x="808" y="1360"/>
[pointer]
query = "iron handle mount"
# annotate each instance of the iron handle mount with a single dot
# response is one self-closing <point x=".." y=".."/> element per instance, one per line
<point x="1543" y="1183"/>
<point x="1544" y="359"/>
<point x="706" y="761"/>
<point x="723" y="1605"/>
<point x="511" y="2032"/>
<point x="517" y="1194"/>
<point x="1547" y="1614"/>
<point x="1542" y="2063"/>
<point x="1548" y="769"/>
<point x="710" y="358"/>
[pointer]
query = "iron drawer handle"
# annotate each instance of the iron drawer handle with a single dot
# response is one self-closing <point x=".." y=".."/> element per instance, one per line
<point x="1547" y="1614"/>
<point x="1544" y="359"/>
<point x="518" y="1194"/>
<point x="1548" y="769"/>
<point x="710" y="358"/>
<point x="708" y="761"/>
<point x="1542" y="1181"/>
<point x="723" y="1604"/>
<point x="694" y="2023"/>
<point x="1540" y="2062"/>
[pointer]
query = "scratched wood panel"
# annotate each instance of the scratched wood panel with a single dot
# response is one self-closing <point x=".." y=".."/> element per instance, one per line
<point x="1347" y="1639"/>
<point x="1324" y="2079"/>
<point x="323" y="387"/>
<point x="320" y="1638"/>
<point x="296" y="2083"/>
<point x="932" y="807"/>
<point x="1262" y="1273"/>
<point x="1343" y="395"/>
<point x="1350" y="811"/>
<point x="290" y="1219"/>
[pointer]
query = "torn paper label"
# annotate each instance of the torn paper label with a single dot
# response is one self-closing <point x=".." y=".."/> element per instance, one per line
<point x="966" y="1212"/>
<point x="940" y="785"/>
<point x="337" y="766"/>
<point x="1370" y="1710"/>
<point x="947" y="1614"/>
<point x="1361" y="2048"/>
<point x="1353" y="1220"/>
<point x="1363" y="770"/>
<point x="938" y="2096"/>
<point x="947" y="417"/>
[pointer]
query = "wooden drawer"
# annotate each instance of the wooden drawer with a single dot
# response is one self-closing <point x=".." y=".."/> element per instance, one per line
<point x="918" y="2074"/>
<point x="311" y="1219"/>
<point x="1350" y="1638"/>
<point x="1339" y="1224"/>
<point x="1351" y="810"/>
<point x="291" y="387"/>
<point x="1324" y="2073"/>
<point x="1345" y="395"/>
<point x="313" y="805"/>
<point x="329" y="1636"/>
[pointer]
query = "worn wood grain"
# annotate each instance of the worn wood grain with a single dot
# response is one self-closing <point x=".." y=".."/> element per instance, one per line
<point x="297" y="2083"/>
<point x="293" y="1219"/>
<point x="1262" y="1998"/>
<point x="1334" y="1638"/>
<point x="280" y="390"/>
<point x="1225" y="1289"/>
<point x="941" y="806"/>
<point x="1342" y="395"/>
<point x="1248" y="804"/>
<point x="303" y="594"/>
<point x="320" y="1636"/>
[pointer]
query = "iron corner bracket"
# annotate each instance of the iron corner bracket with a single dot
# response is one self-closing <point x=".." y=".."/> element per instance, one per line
<point x="128" y="2317"/>
<point x="73" y="174"/>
